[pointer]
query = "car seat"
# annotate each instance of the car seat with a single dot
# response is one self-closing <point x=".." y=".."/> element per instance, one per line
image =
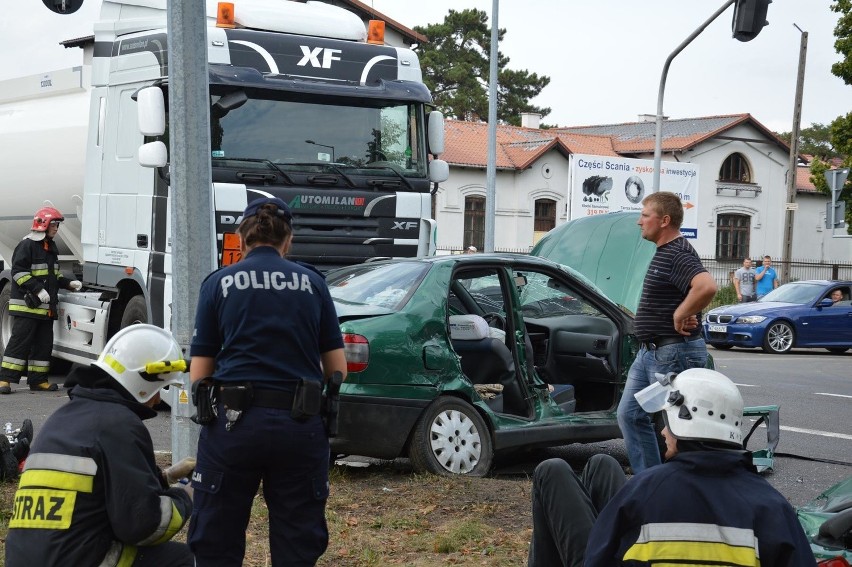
<point x="484" y="360"/>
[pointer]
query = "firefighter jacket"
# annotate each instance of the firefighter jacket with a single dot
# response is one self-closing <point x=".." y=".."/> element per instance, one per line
<point x="35" y="266"/>
<point x="700" y="507"/>
<point x="91" y="492"/>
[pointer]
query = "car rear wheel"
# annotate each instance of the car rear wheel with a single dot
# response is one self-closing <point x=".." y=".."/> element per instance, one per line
<point x="451" y="438"/>
<point x="779" y="338"/>
<point x="837" y="350"/>
<point x="722" y="347"/>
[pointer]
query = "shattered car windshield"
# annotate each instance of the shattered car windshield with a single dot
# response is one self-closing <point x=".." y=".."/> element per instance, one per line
<point x="381" y="285"/>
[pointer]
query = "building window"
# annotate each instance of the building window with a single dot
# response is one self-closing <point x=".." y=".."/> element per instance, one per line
<point x="545" y="215"/>
<point x="474" y="222"/>
<point x="732" y="237"/>
<point x="735" y="169"/>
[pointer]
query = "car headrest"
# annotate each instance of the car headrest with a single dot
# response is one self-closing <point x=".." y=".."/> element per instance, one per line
<point x="468" y="328"/>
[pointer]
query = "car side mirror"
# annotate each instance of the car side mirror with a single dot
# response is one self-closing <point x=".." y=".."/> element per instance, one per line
<point x="825" y="302"/>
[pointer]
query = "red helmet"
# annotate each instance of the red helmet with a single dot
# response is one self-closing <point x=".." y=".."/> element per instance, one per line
<point x="44" y="216"/>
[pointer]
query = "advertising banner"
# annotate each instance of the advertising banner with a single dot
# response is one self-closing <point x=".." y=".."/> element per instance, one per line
<point x="603" y="184"/>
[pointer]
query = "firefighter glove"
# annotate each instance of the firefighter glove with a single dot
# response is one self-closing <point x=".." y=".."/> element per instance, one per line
<point x="43" y="296"/>
<point x="75" y="285"/>
<point x="179" y="470"/>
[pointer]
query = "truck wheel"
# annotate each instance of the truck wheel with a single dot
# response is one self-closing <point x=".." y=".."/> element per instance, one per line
<point x="451" y="438"/>
<point x="136" y="311"/>
<point x="5" y="318"/>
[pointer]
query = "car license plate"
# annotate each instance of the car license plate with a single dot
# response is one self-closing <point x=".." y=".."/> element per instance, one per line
<point x="718" y="328"/>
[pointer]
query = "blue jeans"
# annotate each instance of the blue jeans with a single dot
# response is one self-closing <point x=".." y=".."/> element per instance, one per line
<point x="636" y="425"/>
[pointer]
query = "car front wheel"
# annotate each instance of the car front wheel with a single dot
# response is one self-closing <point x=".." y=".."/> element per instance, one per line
<point x="451" y="438"/>
<point x="779" y="338"/>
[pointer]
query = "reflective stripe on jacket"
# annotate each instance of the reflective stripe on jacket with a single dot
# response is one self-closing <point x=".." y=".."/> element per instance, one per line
<point x="91" y="492"/>
<point x="35" y="266"/>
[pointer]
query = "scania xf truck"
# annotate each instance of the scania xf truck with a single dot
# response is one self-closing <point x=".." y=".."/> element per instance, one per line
<point x="302" y="107"/>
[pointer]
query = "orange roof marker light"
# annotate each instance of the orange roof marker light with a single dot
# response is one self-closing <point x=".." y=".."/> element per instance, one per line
<point x="225" y="15"/>
<point x="376" y="32"/>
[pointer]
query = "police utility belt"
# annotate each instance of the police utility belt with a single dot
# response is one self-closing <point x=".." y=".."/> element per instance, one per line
<point x="306" y="401"/>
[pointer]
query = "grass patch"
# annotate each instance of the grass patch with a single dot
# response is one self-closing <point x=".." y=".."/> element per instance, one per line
<point x="386" y="515"/>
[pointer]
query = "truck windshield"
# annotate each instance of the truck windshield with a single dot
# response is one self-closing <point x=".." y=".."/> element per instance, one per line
<point x="376" y="138"/>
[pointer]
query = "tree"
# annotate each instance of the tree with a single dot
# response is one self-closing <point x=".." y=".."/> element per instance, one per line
<point x="814" y="140"/>
<point x="840" y="129"/>
<point x="455" y="66"/>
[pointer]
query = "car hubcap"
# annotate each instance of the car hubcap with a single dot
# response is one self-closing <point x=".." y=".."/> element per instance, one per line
<point x="780" y="338"/>
<point x="455" y="441"/>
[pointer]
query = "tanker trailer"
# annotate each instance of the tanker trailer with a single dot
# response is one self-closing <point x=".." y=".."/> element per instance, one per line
<point x="43" y="124"/>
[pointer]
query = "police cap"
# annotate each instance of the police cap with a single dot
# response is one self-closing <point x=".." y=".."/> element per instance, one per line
<point x="283" y="209"/>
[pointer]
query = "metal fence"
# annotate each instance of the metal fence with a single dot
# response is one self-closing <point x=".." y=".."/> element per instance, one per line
<point x="723" y="271"/>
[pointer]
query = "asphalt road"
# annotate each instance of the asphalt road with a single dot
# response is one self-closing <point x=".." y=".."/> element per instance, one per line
<point x="813" y="388"/>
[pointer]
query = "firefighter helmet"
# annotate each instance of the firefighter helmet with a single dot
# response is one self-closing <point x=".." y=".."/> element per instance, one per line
<point x="705" y="405"/>
<point x="44" y="216"/>
<point x="143" y="359"/>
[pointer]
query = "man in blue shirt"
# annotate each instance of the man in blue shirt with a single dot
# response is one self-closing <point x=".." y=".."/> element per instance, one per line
<point x="766" y="278"/>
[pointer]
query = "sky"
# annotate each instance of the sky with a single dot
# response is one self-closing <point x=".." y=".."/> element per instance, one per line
<point x="604" y="57"/>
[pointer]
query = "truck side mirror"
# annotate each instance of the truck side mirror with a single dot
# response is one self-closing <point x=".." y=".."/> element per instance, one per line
<point x="439" y="171"/>
<point x="151" y="111"/>
<point x="153" y="154"/>
<point x="436" y="133"/>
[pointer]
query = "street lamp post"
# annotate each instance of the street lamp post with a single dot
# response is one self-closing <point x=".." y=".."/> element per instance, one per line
<point x="658" y="134"/>
<point x="322" y="145"/>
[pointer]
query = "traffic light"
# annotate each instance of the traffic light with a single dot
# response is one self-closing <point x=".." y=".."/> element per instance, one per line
<point x="749" y="18"/>
<point x="63" y="6"/>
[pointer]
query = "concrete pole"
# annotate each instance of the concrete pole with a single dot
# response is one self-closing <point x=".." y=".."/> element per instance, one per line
<point x="491" y="167"/>
<point x="658" y="131"/>
<point x="794" y="159"/>
<point x="192" y="234"/>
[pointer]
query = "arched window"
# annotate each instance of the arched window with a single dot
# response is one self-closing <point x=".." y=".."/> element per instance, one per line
<point x="732" y="237"/>
<point x="735" y="169"/>
<point x="474" y="222"/>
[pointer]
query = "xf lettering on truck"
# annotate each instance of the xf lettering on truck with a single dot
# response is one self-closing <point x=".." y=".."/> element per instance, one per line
<point x="311" y="56"/>
<point x="404" y="225"/>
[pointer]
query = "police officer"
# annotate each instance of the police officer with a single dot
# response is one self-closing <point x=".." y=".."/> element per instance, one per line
<point x="91" y="492"/>
<point x="36" y="280"/>
<point x="267" y="335"/>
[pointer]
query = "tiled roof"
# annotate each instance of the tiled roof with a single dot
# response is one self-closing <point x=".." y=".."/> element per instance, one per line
<point x="803" y="181"/>
<point x="517" y="148"/>
<point x="467" y="144"/>
<point x="678" y="134"/>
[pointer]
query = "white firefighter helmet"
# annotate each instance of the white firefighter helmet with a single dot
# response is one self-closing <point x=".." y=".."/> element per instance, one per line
<point x="705" y="405"/>
<point x="143" y="359"/>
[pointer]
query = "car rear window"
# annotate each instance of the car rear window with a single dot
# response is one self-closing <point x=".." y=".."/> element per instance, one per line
<point x="383" y="285"/>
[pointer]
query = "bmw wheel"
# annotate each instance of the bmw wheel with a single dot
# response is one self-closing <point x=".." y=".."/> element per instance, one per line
<point x="779" y="338"/>
<point x="451" y="438"/>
